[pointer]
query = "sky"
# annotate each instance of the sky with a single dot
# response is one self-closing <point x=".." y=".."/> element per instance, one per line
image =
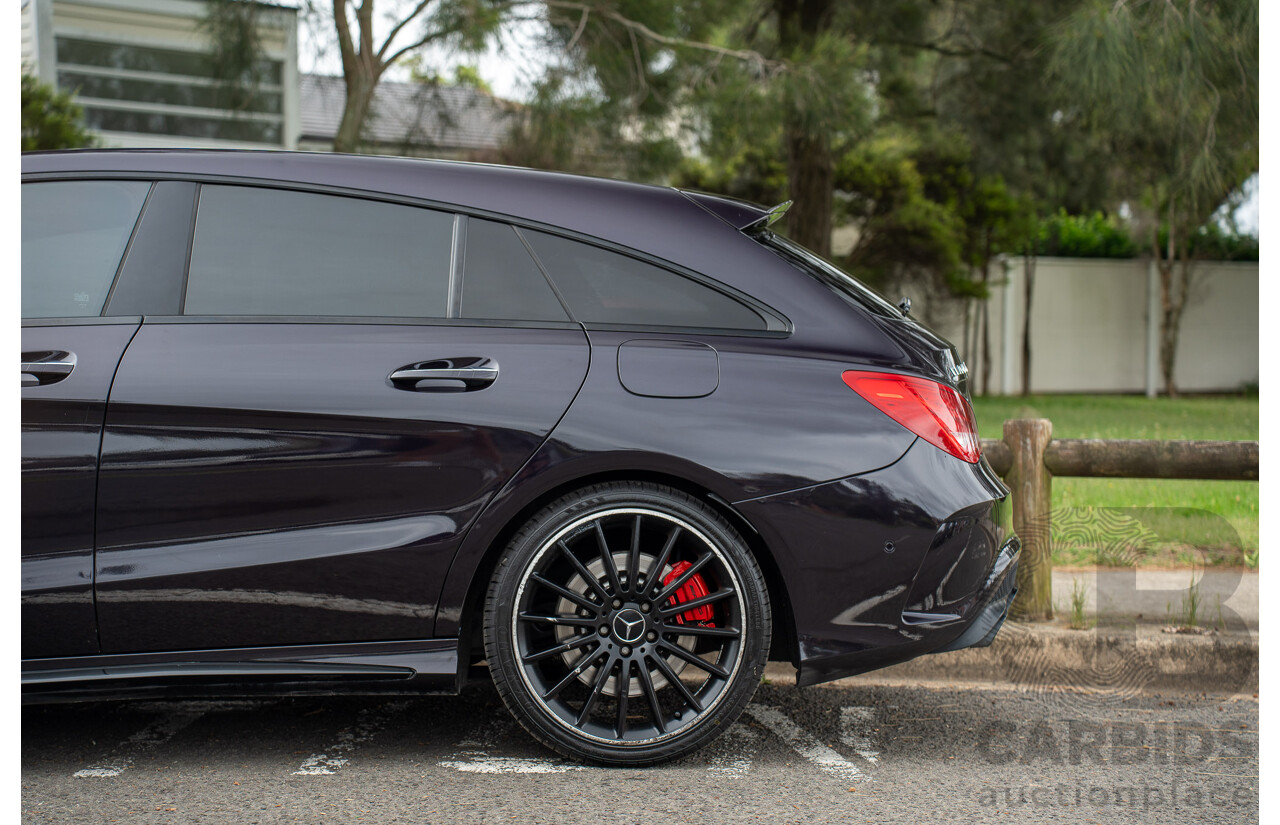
<point x="1247" y="214"/>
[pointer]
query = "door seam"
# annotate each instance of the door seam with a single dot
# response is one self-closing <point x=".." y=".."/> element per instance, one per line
<point x="435" y="621"/>
<point x="97" y="484"/>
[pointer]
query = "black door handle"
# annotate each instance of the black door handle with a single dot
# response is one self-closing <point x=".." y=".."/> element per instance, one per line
<point x="46" y="367"/>
<point x="446" y="375"/>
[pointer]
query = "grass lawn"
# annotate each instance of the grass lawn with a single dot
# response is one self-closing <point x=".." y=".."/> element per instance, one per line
<point x="1186" y="537"/>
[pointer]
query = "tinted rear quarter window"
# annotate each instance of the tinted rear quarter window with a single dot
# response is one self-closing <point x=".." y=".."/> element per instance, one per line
<point x="501" y="279"/>
<point x="605" y="287"/>
<point x="837" y="280"/>
<point x="74" y="234"/>
<point x="264" y="251"/>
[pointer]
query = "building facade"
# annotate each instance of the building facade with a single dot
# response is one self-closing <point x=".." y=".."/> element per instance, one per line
<point x="141" y="69"/>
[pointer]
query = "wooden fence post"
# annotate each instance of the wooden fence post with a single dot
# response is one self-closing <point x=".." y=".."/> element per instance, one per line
<point x="1031" y="485"/>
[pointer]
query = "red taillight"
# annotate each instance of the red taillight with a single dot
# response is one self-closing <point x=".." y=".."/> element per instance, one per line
<point x="933" y="411"/>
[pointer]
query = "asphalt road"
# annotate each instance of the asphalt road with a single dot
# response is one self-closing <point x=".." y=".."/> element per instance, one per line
<point x="859" y="752"/>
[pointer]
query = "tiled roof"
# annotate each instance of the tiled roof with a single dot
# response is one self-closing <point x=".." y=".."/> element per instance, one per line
<point x="413" y="114"/>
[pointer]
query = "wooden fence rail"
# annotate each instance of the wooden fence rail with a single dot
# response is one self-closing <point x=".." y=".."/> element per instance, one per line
<point x="1028" y="458"/>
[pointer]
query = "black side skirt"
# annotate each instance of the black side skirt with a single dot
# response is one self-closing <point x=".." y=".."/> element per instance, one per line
<point x="422" y="666"/>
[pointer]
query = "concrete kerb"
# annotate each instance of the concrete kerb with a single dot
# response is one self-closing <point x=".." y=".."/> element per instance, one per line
<point x="1225" y="596"/>
<point x="1116" y="659"/>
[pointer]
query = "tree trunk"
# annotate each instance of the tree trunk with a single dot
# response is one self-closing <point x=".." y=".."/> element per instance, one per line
<point x="811" y="180"/>
<point x="1029" y="283"/>
<point x="360" y="86"/>
<point x="1175" y="287"/>
<point x="1168" y="342"/>
<point x="986" y="328"/>
<point x="986" y="349"/>
<point x="810" y="168"/>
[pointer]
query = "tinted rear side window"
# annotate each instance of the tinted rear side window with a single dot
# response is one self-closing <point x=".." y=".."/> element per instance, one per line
<point x="837" y="280"/>
<point x="74" y="234"/>
<point x="501" y="280"/>
<point x="605" y="287"/>
<point x="272" y="252"/>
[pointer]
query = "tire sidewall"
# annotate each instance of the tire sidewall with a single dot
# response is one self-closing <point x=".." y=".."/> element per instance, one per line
<point x="515" y="565"/>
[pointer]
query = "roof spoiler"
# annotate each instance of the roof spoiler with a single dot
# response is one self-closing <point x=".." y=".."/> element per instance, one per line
<point x="768" y="219"/>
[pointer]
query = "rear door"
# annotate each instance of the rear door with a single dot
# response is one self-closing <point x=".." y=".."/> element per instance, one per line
<point x="295" y="457"/>
<point x="74" y="236"/>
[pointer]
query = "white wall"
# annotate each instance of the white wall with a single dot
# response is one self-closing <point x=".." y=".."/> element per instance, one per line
<point x="1089" y="322"/>
<point x="1220" y="331"/>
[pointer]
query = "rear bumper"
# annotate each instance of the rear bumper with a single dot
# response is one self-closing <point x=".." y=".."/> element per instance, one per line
<point x="893" y="564"/>
<point x="978" y="628"/>
<point x="1001" y="590"/>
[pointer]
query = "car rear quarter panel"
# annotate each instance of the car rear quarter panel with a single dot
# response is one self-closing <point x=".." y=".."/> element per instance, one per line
<point x="780" y="419"/>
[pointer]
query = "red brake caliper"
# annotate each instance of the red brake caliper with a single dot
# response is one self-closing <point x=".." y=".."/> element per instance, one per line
<point x="694" y="588"/>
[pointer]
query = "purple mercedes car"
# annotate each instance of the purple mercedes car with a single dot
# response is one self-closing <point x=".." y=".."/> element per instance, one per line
<point x="301" y="423"/>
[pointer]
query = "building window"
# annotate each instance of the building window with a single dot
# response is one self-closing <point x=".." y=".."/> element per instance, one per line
<point x="148" y="90"/>
<point x="158" y="123"/>
<point x="165" y="91"/>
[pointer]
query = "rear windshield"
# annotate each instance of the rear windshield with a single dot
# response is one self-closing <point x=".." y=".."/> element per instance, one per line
<point x="838" y="281"/>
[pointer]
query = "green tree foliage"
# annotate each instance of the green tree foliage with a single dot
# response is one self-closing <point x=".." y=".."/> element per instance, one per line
<point x="1182" y="123"/>
<point x="921" y="209"/>
<point x="469" y="76"/>
<point x="50" y="119"/>
<point x="627" y="81"/>
<point x="986" y="68"/>
<point x="463" y="75"/>
<point x="900" y="197"/>
<point x="754" y="173"/>
<point x="1213" y="242"/>
<point x="1094" y="235"/>
<point x="986" y="72"/>
<point x="795" y="76"/>
<point x="925" y="219"/>
<point x="235" y="59"/>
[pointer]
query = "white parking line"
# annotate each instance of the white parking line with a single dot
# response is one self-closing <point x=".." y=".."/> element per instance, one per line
<point x="804" y="743"/>
<point x="855" y="731"/>
<point x="734" y="752"/>
<point x="367" y="725"/>
<point x="490" y="733"/>
<point x="481" y="762"/>
<point x="122" y="757"/>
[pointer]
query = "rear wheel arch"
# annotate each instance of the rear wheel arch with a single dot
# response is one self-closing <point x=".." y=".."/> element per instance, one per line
<point x="471" y="622"/>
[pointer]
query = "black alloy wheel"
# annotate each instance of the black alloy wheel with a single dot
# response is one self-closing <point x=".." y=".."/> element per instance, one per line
<point x="627" y="624"/>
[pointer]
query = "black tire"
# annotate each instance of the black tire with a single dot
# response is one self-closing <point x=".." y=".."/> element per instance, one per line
<point x="564" y="618"/>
